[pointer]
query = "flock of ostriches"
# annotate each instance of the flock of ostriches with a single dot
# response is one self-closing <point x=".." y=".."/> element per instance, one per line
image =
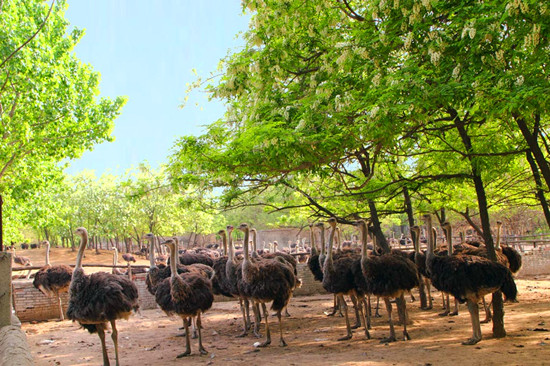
<point x="186" y="286"/>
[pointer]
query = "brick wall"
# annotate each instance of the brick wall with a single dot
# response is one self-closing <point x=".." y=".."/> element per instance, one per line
<point x="31" y="304"/>
<point x="535" y="263"/>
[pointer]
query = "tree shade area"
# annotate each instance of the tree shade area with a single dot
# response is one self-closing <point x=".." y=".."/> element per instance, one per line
<point x="379" y="110"/>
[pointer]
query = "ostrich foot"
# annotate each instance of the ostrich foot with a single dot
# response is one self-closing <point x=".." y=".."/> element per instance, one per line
<point x="486" y="320"/>
<point x="445" y="313"/>
<point x="194" y="335"/>
<point x="406" y="336"/>
<point x="243" y="334"/>
<point x="203" y="351"/>
<point x="454" y="313"/>
<point x="184" y="354"/>
<point x="367" y="334"/>
<point x="345" y="338"/>
<point x="257" y="334"/>
<point x="427" y="308"/>
<point x="265" y="344"/>
<point x="388" y="340"/>
<point x="282" y="343"/>
<point x="180" y="335"/>
<point x="356" y="325"/>
<point x="471" y="341"/>
<point x="377" y="315"/>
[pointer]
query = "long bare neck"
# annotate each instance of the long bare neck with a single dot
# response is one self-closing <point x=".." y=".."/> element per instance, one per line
<point x="83" y="244"/>
<point x="323" y="245"/>
<point x="115" y="257"/>
<point x="48" y="254"/>
<point x="338" y="238"/>
<point x="314" y="250"/>
<point x="330" y="245"/>
<point x="364" y="238"/>
<point x="173" y="261"/>
<point x="497" y="244"/>
<point x="245" y="245"/>
<point x="416" y="241"/>
<point x="224" y="242"/>
<point x="230" y="247"/>
<point x="152" y="253"/>
<point x="430" y="239"/>
<point x="449" y="240"/>
<point x="254" y="240"/>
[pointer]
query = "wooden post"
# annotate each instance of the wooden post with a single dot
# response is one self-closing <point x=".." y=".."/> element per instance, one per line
<point x="5" y="289"/>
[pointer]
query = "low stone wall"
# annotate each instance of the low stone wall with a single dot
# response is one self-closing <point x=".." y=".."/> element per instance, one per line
<point x="14" y="349"/>
<point x="535" y="263"/>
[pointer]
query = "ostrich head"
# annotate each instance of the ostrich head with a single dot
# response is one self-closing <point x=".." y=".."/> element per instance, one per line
<point x="221" y="232"/>
<point x="81" y="231"/>
<point x="229" y="228"/>
<point x="149" y="236"/>
<point x="416" y="230"/>
<point x="243" y="226"/>
<point x="320" y="224"/>
<point x="332" y="222"/>
<point x="170" y="243"/>
<point x="45" y="242"/>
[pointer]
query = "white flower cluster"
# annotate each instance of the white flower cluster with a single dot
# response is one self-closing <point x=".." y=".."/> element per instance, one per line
<point x="435" y="55"/>
<point x="456" y="71"/>
<point x="532" y="39"/>
<point x="469" y="29"/>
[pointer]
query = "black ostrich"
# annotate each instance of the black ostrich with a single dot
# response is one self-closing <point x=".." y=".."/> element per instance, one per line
<point x="99" y="299"/>
<point x="52" y="281"/>
<point x="339" y="279"/>
<point x="419" y="258"/>
<point x="267" y="280"/>
<point x="468" y="278"/>
<point x="22" y="261"/>
<point x="389" y="276"/>
<point x="321" y="259"/>
<point x="313" y="261"/>
<point x="128" y="257"/>
<point x="187" y="295"/>
<point x="220" y="285"/>
<point x="233" y="275"/>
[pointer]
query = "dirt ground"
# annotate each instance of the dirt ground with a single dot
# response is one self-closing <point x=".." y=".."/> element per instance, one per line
<point x="150" y="338"/>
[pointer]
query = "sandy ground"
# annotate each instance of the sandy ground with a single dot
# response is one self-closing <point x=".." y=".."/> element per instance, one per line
<point x="149" y="338"/>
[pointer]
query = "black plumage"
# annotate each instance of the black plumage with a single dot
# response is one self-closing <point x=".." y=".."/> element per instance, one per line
<point x="100" y="298"/>
<point x="53" y="280"/>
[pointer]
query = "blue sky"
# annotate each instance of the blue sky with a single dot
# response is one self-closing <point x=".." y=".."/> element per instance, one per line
<point x="146" y="50"/>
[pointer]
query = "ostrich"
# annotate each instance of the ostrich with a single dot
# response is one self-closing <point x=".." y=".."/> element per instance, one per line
<point x="128" y="257"/>
<point x="338" y="277"/>
<point x="220" y="285"/>
<point x="265" y="281"/>
<point x="468" y="278"/>
<point x="419" y="259"/>
<point x="115" y="270"/>
<point x="188" y="295"/>
<point x="322" y="257"/>
<point x="233" y="275"/>
<point x="22" y="261"/>
<point x="313" y="261"/>
<point x="100" y="298"/>
<point x="389" y="276"/>
<point x="53" y="280"/>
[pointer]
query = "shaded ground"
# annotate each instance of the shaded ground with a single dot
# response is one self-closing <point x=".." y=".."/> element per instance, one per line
<point x="149" y="338"/>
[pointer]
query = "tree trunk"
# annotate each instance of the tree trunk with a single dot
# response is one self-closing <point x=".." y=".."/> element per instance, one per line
<point x="380" y="237"/>
<point x="498" y="311"/>
<point x="535" y="148"/>
<point x="539" y="190"/>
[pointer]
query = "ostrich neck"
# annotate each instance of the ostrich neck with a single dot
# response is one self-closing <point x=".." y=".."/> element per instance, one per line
<point x="430" y="254"/>
<point x="224" y="243"/>
<point x="48" y="254"/>
<point x="497" y="244"/>
<point x="312" y="241"/>
<point x="152" y="253"/>
<point x="229" y="264"/>
<point x="83" y="244"/>
<point x="323" y="246"/>
<point x="328" y="261"/>
<point x="173" y="261"/>
<point x="449" y="240"/>
<point x="245" y="245"/>
<point x="416" y="241"/>
<point x="339" y="246"/>
<point x="115" y="258"/>
<point x="364" y="235"/>
<point x="254" y="242"/>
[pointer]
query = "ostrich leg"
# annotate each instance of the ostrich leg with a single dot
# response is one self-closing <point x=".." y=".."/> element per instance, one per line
<point x="335" y="308"/>
<point x="342" y="304"/>
<point x="101" y="334"/>
<point x="488" y="315"/>
<point x="245" y="323"/>
<point x="366" y="303"/>
<point x="429" y="290"/>
<point x="282" y="342"/>
<point x="257" y="319"/>
<point x="247" y="311"/>
<point x="194" y="328"/>
<point x="391" y="338"/>
<point x="114" y="336"/>
<point x="202" y="350"/>
<point x="187" y="341"/>
<point x="355" y="302"/>
<point x="377" y="314"/>
<point x="362" y="310"/>
<point x="267" y="332"/>
<point x="403" y="312"/>
<point x="455" y="311"/>
<point x="446" y="305"/>
<point x="61" y="315"/>
<point x="473" y="308"/>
